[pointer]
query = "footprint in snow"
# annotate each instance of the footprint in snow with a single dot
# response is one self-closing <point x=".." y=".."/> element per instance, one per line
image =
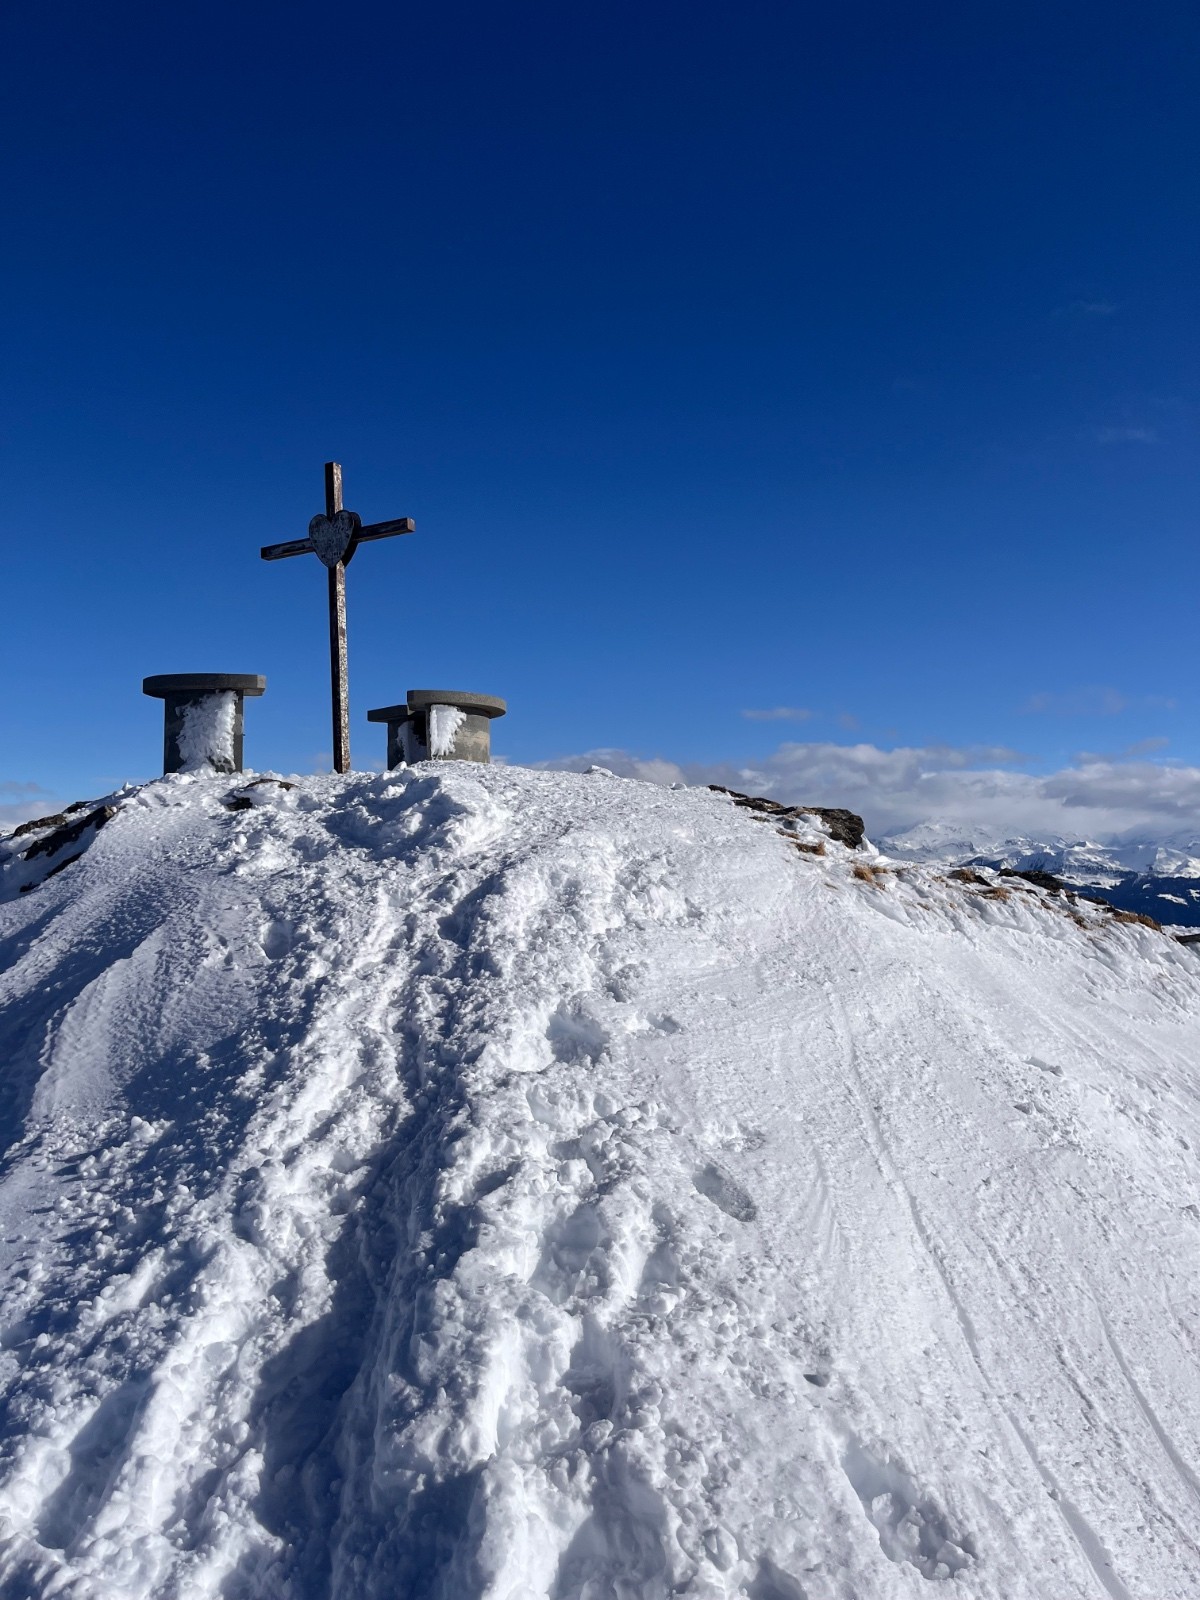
<point x="772" y="1583"/>
<point x="661" y="1283"/>
<point x="724" y="1193"/>
<point x="910" y="1525"/>
<point x="276" y="939"/>
<point x="576" y="1037"/>
<point x="1046" y="1066"/>
<point x="95" y="1453"/>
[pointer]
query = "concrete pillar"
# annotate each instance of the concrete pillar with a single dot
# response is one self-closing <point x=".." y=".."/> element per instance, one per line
<point x="440" y="725"/>
<point x="202" y="718"/>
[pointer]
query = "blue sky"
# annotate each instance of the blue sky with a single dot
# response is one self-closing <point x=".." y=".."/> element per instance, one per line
<point x="834" y="362"/>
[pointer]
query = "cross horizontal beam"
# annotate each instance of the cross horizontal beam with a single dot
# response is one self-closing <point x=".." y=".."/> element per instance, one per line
<point x="372" y="530"/>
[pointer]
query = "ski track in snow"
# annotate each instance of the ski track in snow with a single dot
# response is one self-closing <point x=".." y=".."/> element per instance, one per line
<point x="475" y="1182"/>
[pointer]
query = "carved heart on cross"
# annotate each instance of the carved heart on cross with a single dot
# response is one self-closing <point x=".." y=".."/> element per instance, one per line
<point x="332" y="537"/>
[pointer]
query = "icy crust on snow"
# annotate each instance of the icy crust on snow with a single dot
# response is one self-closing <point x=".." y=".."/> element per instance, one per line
<point x="551" y="1187"/>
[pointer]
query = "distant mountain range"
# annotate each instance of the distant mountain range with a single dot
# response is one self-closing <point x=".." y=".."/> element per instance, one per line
<point x="1159" y="878"/>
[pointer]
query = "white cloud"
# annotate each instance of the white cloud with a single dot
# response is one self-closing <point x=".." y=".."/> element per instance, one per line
<point x="21" y="801"/>
<point x="653" y="769"/>
<point x="1140" y="747"/>
<point x="1095" y="701"/>
<point x="779" y="714"/>
<point x="968" y="788"/>
<point x="1126" y="435"/>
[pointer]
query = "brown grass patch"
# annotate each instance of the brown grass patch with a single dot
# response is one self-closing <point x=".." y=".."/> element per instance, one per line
<point x="967" y="875"/>
<point x="1133" y="916"/>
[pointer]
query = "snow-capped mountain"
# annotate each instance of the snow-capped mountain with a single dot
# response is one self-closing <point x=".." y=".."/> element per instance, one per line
<point x="1081" y="859"/>
<point x="1158" y="878"/>
<point x="480" y="1184"/>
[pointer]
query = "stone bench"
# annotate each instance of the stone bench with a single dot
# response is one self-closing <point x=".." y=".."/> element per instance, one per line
<point x="202" y="718"/>
<point x="439" y="725"/>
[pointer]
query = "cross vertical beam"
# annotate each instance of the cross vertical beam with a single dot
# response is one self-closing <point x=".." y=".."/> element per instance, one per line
<point x="339" y="678"/>
<point x="333" y="537"/>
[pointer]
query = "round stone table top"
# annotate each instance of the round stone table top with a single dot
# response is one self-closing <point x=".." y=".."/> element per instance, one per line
<point x="482" y="705"/>
<point x="166" y="683"/>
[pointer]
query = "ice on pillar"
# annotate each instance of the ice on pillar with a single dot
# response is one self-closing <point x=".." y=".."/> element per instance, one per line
<point x="439" y="725"/>
<point x="203" y="718"/>
<point x="444" y="723"/>
<point x="206" y="733"/>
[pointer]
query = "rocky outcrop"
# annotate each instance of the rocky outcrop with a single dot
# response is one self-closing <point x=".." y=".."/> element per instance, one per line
<point x="846" y="827"/>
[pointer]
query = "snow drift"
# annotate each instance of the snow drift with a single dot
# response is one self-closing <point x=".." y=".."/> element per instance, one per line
<point x="478" y="1182"/>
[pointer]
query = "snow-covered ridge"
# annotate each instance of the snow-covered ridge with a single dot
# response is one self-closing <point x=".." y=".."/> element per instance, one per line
<point x="1160" y="879"/>
<point x="1079" y="860"/>
<point x="481" y="1182"/>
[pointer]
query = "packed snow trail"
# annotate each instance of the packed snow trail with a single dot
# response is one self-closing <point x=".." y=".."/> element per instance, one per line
<point x="473" y="1182"/>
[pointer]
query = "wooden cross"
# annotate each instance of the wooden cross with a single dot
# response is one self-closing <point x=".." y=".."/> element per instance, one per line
<point x="334" y="537"/>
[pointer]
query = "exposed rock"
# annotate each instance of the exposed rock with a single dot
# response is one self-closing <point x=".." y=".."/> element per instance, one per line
<point x="845" y="827"/>
<point x="71" y="833"/>
<point x="242" y="801"/>
<point x="27" y="888"/>
<point x="1039" y="879"/>
<point x="36" y="824"/>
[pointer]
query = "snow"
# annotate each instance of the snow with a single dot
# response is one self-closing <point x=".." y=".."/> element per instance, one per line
<point x="545" y="1186"/>
<point x="206" y="736"/>
<point x="1078" y="860"/>
<point x="444" y="723"/>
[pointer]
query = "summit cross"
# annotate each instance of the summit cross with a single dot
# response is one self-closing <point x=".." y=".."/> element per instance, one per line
<point x="334" y="536"/>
